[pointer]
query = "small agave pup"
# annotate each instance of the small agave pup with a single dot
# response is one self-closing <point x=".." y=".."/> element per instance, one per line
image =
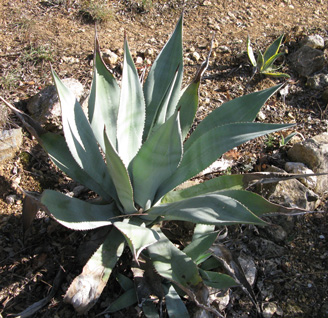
<point x="141" y="130"/>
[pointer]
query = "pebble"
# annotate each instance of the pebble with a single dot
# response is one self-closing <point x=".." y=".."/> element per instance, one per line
<point x="70" y="60"/>
<point x="223" y="49"/>
<point x="139" y="60"/>
<point x="11" y="198"/>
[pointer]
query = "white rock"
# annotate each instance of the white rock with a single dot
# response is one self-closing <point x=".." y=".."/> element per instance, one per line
<point x="269" y="310"/>
<point x="70" y="60"/>
<point x="223" y="49"/>
<point x="10" y="142"/>
<point x="139" y="60"/>
<point x="313" y="152"/>
<point x="314" y="41"/>
<point x="195" y="56"/>
<point x="110" y="57"/>
<point x="11" y="199"/>
<point x="301" y="168"/>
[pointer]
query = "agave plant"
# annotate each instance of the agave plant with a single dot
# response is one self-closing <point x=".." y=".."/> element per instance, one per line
<point x="264" y="63"/>
<point x="131" y="149"/>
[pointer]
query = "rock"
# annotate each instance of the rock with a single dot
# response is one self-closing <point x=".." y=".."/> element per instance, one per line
<point x="149" y="52"/>
<point x="248" y="265"/>
<point x="110" y="57"/>
<point x="269" y="309"/>
<point x="11" y="199"/>
<point x="45" y="108"/>
<point x="10" y="142"/>
<point x="290" y="193"/>
<point x="220" y="297"/>
<point x="301" y="168"/>
<point x="195" y="56"/>
<point x="318" y="81"/>
<point x="313" y="152"/>
<point x="139" y="60"/>
<point x="314" y="41"/>
<point x="70" y="60"/>
<point x="307" y="60"/>
<point x="223" y="49"/>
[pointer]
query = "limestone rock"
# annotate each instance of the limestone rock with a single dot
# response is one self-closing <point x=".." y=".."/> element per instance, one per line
<point x="313" y="152"/>
<point x="110" y="57"/>
<point x="307" y="60"/>
<point x="10" y="142"/>
<point x="290" y="193"/>
<point x="300" y="168"/>
<point x="314" y="41"/>
<point x="45" y="108"/>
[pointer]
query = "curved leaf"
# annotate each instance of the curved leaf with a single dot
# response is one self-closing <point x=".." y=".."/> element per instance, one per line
<point x="212" y="208"/>
<point x="160" y="77"/>
<point x="199" y="154"/>
<point x="120" y="177"/>
<point x="241" y="109"/>
<point x="80" y="138"/>
<point x="223" y="182"/>
<point x="103" y="101"/>
<point x="77" y="214"/>
<point x="250" y="52"/>
<point x="131" y="114"/>
<point x="173" y="264"/>
<point x="86" y="288"/>
<point x="138" y="237"/>
<point x="188" y="105"/>
<point x="254" y="202"/>
<point x="272" y="49"/>
<point x="56" y="147"/>
<point x="127" y="299"/>
<point x="200" y="245"/>
<point x="174" y="305"/>
<point x="217" y="280"/>
<point x="157" y="159"/>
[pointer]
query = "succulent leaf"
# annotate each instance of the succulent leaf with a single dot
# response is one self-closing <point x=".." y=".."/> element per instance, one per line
<point x="56" y="147"/>
<point x="160" y="77"/>
<point x="157" y="159"/>
<point x="223" y="182"/>
<point x="188" y="105"/>
<point x="80" y="138"/>
<point x="213" y="208"/>
<point x="131" y="114"/>
<point x="199" y="245"/>
<point x="250" y="52"/>
<point x="120" y="177"/>
<point x="95" y="273"/>
<point x="273" y="49"/>
<point x="254" y="202"/>
<point x="209" y="146"/>
<point x="174" y="305"/>
<point x="103" y="100"/>
<point x="127" y="299"/>
<point x="241" y="109"/>
<point x="217" y="280"/>
<point x="173" y="264"/>
<point x="77" y="214"/>
<point x="138" y="237"/>
<point x="160" y="117"/>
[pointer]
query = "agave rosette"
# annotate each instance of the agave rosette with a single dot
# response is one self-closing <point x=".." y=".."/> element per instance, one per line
<point x="141" y="132"/>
